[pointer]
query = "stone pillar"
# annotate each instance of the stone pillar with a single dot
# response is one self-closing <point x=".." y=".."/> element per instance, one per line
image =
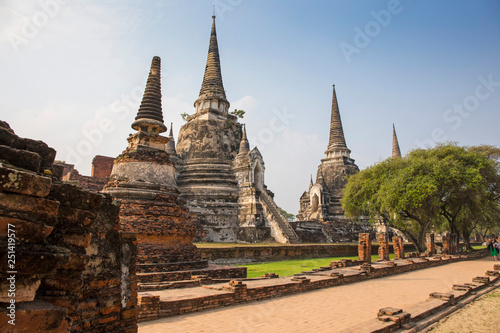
<point x="453" y="244"/>
<point x="429" y="243"/>
<point x="399" y="251"/>
<point x="446" y="243"/>
<point x="365" y="248"/>
<point x="383" y="248"/>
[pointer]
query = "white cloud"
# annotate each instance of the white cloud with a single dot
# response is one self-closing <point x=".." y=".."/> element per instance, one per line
<point x="247" y="104"/>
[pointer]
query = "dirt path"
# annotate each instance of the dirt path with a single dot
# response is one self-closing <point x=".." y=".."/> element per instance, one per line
<point x="326" y="310"/>
<point x="480" y="316"/>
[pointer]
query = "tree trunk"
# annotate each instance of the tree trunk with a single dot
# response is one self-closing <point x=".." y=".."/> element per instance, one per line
<point x="466" y="237"/>
<point x="415" y="240"/>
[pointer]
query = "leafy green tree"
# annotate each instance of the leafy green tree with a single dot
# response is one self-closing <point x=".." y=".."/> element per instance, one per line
<point x="289" y="216"/>
<point x="446" y="187"/>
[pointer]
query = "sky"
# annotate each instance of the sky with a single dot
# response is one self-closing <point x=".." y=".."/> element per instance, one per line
<point x="72" y="74"/>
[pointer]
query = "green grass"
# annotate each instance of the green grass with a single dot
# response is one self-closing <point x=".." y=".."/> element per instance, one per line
<point x="291" y="267"/>
<point x="495" y="294"/>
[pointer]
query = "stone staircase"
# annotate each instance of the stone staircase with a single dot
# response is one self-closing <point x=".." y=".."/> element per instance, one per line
<point x="280" y="225"/>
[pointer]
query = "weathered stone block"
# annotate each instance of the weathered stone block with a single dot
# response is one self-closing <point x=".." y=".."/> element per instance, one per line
<point x="36" y="316"/>
<point x="72" y="196"/>
<point x="25" y="231"/>
<point x="24" y="286"/>
<point x="47" y="153"/>
<point x="75" y="217"/>
<point x="21" y="158"/>
<point x="31" y="262"/>
<point x="64" y="281"/>
<point x="78" y="240"/>
<point x="36" y="208"/>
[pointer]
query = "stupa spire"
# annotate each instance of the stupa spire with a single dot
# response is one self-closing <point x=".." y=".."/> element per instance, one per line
<point x="396" y="152"/>
<point x="244" y="144"/>
<point x="212" y="85"/>
<point x="170" y="147"/>
<point x="337" y="139"/>
<point x="150" y="117"/>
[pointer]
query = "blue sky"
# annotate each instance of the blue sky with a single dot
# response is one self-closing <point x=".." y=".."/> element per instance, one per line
<point x="73" y="73"/>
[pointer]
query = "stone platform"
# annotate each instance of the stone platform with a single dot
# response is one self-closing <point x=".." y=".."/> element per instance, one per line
<point x="174" y="302"/>
<point x="149" y="281"/>
<point x="346" y="308"/>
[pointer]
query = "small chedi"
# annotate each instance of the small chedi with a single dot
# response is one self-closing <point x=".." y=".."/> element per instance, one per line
<point x="143" y="181"/>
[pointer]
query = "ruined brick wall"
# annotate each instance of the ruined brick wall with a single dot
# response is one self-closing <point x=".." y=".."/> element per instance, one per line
<point x="70" y="174"/>
<point x="430" y="244"/>
<point x="447" y="243"/>
<point x="73" y="268"/>
<point x="102" y="166"/>
<point x="398" y="246"/>
<point x="383" y="248"/>
<point x="151" y="307"/>
<point x="164" y="231"/>
<point x="364" y="248"/>
<point x="242" y="254"/>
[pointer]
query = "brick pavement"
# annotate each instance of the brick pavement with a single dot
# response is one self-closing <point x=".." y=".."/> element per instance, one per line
<point x="326" y="310"/>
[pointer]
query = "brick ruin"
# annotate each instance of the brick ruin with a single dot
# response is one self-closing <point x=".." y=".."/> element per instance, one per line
<point x="398" y="245"/>
<point x="365" y="248"/>
<point x="429" y="244"/>
<point x="101" y="170"/>
<point x="383" y="248"/>
<point x="74" y="269"/>
<point x="449" y="244"/>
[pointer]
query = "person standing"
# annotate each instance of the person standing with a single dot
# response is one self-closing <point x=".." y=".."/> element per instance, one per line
<point x="496" y="246"/>
<point x="491" y="248"/>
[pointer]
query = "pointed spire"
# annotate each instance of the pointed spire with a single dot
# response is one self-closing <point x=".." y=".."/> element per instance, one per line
<point x="150" y="117"/>
<point x="337" y="139"/>
<point x="170" y="148"/>
<point x="212" y="80"/>
<point x="171" y="134"/>
<point x="319" y="176"/>
<point x="311" y="184"/>
<point x="244" y="144"/>
<point x="396" y="152"/>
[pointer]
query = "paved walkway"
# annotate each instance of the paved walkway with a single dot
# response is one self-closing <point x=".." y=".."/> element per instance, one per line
<point x="325" y="310"/>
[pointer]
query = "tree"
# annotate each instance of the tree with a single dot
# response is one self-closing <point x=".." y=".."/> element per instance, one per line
<point x="289" y="217"/>
<point x="447" y="186"/>
<point x="184" y="116"/>
<point x="237" y="113"/>
<point x="397" y="191"/>
<point x="465" y="190"/>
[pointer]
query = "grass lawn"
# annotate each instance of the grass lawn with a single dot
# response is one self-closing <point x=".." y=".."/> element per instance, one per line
<point x="291" y="267"/>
